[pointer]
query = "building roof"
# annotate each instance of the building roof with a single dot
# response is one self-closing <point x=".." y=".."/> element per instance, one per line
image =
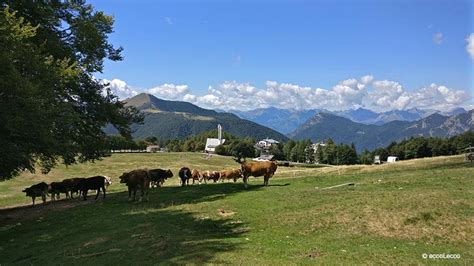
<point x="271" y="141"/>
<point x="211" y="143"/>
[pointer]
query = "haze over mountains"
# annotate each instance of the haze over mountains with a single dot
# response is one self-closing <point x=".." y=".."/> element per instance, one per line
<point x="288" y="120"/>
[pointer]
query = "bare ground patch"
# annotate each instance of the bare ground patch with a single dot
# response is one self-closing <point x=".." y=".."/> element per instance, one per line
<point x="27" y="212"/>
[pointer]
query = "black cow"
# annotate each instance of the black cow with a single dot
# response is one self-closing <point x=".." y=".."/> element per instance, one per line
<point x="185" y="175"/>
<point x="158" y="176"/>
<point x="38" y="190"/>
<point x="94" y="183"/>
<point x="56" y="188"/>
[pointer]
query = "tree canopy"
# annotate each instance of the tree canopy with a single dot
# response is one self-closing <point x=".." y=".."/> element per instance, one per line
<point x="51" y="107"/>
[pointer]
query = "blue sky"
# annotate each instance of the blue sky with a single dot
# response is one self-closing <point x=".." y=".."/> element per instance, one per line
<point x="222" y="53"/>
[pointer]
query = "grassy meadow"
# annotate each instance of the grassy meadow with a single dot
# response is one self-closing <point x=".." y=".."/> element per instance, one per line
<point x="393" y="215"/>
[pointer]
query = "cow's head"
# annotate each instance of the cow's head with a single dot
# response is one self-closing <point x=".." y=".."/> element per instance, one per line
<point x="27" y="191"/>
<point x="169" y="173"/>
<point x="124" y="177"/>
<point x="107" y="181"/>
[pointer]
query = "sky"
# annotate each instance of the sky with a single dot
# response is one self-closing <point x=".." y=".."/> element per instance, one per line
<point x="381" y="55"/>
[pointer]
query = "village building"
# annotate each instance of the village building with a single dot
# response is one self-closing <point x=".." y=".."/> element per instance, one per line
<point x="153" y="148"/>
<point x="212" y="143"/>
<point x="264" y="146"/>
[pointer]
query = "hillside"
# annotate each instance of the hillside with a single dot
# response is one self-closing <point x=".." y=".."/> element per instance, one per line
<point x="175" y="119"/>
<point x="388" y="217"/>
<point x="281" y="120"/>
<point x="342" y="130"/>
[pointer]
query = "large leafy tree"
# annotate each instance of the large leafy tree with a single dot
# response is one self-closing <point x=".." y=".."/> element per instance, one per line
<point x="52" y="109"/>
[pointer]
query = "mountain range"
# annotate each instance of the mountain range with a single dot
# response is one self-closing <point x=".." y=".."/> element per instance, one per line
<point x="288" y="120"/>
<point x="343" y="130"/>
<point x="176" y="119"/>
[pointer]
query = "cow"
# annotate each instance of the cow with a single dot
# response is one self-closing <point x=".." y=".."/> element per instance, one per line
<point x="210" y="175"/>
<point x="136" y="179"/>
<point x="196" y="176"/>
<point x="38" y="190"/>
<point x="158" y="176"/>
<point x="230" y="174"/>
<point x="56" y="188"/>
<point x="260" y="168"/>
<point x="94" y="183"/>
<point x="71" y="185"/>
<point x="185" y="175"/>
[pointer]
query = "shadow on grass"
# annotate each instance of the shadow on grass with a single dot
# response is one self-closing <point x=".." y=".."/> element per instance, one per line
<point x="117" y="231"/>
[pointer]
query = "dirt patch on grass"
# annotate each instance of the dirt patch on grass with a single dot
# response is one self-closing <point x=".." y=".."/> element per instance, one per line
<point x="27" y="212"/>
<point x="310" y="254"/>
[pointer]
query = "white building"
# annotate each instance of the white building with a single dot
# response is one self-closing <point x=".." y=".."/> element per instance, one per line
<point x="152" y="148"/>
<point x="212" y="143"/>
<point x="266" y="143"/>
<point x="392" y="159"/>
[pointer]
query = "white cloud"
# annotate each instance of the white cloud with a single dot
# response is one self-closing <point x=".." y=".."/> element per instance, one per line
<point x="367" y="92"/>
<point x="438" y="38"/>
<point x="470" y="45"/>
<point x="169" y="91"/>
<point x="120" y="88"/>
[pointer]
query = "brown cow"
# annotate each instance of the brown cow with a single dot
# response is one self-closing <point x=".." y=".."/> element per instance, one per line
<point x="230" y="174"/>
<point x="210" y="175"/>
<point x="135" y="179"/>
<point x="196" y="176"/>
<point x="263" y="168"/>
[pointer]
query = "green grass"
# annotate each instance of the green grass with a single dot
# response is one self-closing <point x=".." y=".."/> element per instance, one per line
<point x="393" y="214"/>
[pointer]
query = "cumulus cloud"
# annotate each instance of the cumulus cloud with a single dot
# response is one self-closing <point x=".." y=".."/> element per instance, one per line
<point x="367" y="92"/>
<point x="120" y="88"/>
<point x="169" y="91"/>
<point x="438" y="38"/>
<point x="470" y="45"/>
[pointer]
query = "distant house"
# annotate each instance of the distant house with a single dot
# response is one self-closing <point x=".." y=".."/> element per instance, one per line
<point x="212" y="143"/>
<point x="377" y="159"/>
<point x="153" y="148"/>
<point x="264" y="158"/>
<point x="265" y="144"/>
<point x="392" y="159"/>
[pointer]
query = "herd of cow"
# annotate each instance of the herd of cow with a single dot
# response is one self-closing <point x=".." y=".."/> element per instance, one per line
<point x="143" y="179"/>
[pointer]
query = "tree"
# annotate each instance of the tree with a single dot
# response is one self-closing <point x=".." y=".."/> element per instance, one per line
<point x="242" y="149"/>
<point x="51" y="106"/>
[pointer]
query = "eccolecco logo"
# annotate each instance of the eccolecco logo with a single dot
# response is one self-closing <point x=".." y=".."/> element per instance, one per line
<point x="440" y="256"/>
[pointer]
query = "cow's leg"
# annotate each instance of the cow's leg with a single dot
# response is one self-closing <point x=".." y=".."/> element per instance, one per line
<point x="265" y="180"/>
<point x="142" y="193"/>
<point x="103" y="190"/>
<point x="33" y="198"/>
<point x="245" y="181"/>
<point x="43" y="197"/>
<point x="134" y="193"/>
<point x="129" y="194"/>
<point x="147" y="197"/>
<point x="98" y="192"/>
<point x="84" y="194"/>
